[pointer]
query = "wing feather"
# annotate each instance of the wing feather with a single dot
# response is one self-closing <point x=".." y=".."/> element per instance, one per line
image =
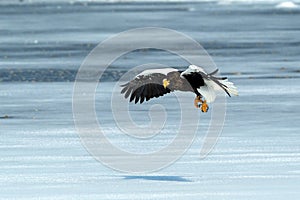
<point x="211" y="82"/>
<point x="128" y="92"/>
<point x="146" y="85"/>
<point x="222" y="82"/>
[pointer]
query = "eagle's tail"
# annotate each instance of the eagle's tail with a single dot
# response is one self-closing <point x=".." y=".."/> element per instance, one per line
<point x="229" y="87"/>
<point x="226" y="85"/>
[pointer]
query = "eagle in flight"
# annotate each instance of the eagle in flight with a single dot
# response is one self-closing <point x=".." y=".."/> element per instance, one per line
<point x="158" y="82"/>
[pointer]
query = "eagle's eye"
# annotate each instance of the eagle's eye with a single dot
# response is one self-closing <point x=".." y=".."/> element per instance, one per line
<point x="166" y="83"/>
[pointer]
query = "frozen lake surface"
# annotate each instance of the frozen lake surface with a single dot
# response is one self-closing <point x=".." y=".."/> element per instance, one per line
<point x="257" y="155"/>
<point x="42" y="46"/>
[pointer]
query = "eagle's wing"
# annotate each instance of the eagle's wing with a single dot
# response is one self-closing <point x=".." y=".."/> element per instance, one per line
<point x="212" y="83"/>
<point x="147" y="85"/>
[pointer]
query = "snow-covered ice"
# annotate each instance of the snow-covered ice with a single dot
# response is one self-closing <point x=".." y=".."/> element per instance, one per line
<point x="257" y="155"/>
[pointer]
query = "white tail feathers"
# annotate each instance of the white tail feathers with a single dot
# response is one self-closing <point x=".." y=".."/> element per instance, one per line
<point x="229" y="87"/>
<point x="208" y="91"/>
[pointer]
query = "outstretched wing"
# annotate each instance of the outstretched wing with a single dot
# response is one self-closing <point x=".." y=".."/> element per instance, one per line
<point x="211" y="83"/>
<point x="147" y="85"/>
<point x="222" y="82"/>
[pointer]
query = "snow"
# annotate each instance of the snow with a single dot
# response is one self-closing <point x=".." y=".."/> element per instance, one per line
<point x="287" y="5"/>
<point x="257" y="155"/>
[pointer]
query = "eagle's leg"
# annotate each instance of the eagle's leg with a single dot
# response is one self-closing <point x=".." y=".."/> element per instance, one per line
<point x="204" y="106"/>
<point x="199" y="103"/>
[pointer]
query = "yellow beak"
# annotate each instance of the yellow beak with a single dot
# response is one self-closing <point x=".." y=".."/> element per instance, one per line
<point x="166" y="83"/>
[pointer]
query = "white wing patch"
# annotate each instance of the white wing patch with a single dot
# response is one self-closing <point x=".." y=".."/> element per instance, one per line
<point x="211" y="84"/>
<point x="208" y="91"/>
<point x="164" y="71"/>
<point x="192" y="69"/>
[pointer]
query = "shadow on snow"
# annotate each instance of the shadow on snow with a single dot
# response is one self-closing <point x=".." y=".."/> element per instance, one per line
<point x="159" y="178"/>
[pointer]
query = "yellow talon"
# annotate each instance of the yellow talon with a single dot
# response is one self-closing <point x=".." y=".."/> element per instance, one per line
<point x="199" y="103"/>
<point x="204" y="106"/>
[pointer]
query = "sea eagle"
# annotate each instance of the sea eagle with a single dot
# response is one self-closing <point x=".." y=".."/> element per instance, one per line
<point x="157" y="82"/>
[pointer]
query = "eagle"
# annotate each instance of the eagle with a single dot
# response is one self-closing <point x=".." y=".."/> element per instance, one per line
<point x="158" y="82"/>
